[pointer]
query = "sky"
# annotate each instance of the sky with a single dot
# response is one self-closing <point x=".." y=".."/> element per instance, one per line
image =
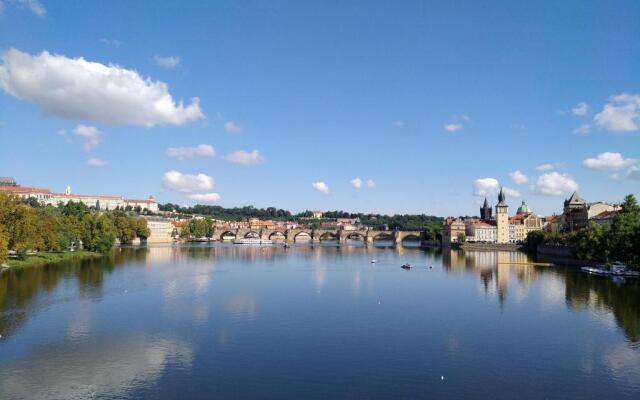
<point x="366" y="106"/>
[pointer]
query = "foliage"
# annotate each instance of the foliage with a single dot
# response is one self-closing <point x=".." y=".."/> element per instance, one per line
<point x="197" y="228"/>
<point x="620" y="241"/>
<point x="47" y="228"/>
<point x="462" y="237"/>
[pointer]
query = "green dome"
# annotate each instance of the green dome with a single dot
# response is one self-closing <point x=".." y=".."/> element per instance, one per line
<point x="524" y="209"/>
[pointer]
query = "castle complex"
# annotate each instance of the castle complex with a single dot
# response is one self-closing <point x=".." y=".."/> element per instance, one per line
<point x="101" y="202"/>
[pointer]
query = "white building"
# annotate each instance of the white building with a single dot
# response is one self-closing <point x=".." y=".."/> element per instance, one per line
<point x="481" y="231"/>
<point x="160" y="230"/>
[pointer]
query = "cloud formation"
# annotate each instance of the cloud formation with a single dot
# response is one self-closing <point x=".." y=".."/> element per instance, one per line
<point x="32" y="5"/>
<point x="90" y="136"/>
<point x="548" y="167"/>
<point x="201" y="150"/>
<point x="518" y="177"/>
<point x="581" y="109"/>
<point x="357" y="183"/>
<point x="206" y="198"/>
<point x="488" y="187"/>
<point x="97" y="162"/>
<point x="76" y="89"/>
<point x="583" y="129"/>
<point x="232" y="127"/>
<point x="620" y="114"/>
<point x="166" y="62"/>
<point x="453" y="127"/>
<point x="185" y="183"/>
<point x="321" y="187"/>
<point x="554" y="184"/>
<point x="244" y="157"/>
<point x="609" y="161"/>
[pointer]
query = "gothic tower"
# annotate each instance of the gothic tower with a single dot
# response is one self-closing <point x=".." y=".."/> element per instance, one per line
<point x="485" y="211"/>
<point x="502" y="219"/>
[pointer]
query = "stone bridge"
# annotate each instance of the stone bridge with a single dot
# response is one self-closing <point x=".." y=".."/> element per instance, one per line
<point x="316" y="235"/>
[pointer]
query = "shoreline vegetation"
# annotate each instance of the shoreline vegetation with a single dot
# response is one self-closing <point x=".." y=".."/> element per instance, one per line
<point x="49" y="257"/>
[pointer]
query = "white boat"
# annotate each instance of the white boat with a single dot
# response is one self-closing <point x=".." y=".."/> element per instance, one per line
<point x="614" y="269"/>
<point x="253" y="241"/>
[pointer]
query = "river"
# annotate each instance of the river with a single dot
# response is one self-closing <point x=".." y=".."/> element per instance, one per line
<point x="322" y="321"/>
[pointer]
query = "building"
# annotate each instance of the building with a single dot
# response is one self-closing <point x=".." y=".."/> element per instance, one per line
<point x="451" y="229"/>
<point x="7" y="181"/>
<point x="599" y="207"/>
<point x="316" y="214"/>
<point x="502" y="219"/>
<point x="604" y="218"/>
<point x="480" y="231"/>
<point x="485" y="211"/>
<point x="575" y="213"/>
<point x="100" y="202"/>
<point x="160" y="230"/>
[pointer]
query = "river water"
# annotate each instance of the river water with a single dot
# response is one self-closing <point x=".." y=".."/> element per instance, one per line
<point x="224" y="321"/>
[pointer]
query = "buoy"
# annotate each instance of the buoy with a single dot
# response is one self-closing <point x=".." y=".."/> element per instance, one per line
<point x="441" y="377"/>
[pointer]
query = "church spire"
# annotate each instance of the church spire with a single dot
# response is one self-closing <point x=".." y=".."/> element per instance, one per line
<point x="501" y="198"/>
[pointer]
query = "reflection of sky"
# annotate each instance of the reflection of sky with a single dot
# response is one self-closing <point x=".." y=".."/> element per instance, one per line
<point x="324" y="313"/>
<point x="100" y="367"/>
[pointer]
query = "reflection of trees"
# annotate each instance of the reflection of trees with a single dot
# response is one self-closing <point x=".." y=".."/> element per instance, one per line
<point x="622" y="300"/>
<point x="20" y="287"/>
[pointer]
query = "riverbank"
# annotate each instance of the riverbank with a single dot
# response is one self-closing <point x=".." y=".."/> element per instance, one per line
<point x="50" y="257"/>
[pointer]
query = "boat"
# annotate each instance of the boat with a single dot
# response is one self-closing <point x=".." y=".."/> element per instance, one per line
<point x="374" y="261"/>
<point x="286" y="245"/>
<point x="614" y="269"/>
<point x="253" y="241"/>
<point x="406" y="266"/>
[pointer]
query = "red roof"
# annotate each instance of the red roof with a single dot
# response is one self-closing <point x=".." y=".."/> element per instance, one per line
<point x="23" y="189"/>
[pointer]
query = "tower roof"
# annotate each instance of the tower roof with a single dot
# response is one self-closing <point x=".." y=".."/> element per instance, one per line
<point x="486" y="203"/>
<point x="575" y="199"/>
<point x="501" y="198"/>
<point x="524" y="208"/>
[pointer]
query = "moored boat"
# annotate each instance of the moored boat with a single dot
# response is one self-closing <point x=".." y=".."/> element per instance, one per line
<point x="254" y="241"/>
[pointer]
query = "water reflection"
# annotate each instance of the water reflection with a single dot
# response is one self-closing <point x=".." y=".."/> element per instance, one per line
<point x="104" y="366"/>
<point x="124" y="323"/>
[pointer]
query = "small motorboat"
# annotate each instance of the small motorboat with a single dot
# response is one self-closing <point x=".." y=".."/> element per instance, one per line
<point x="374" y="261"/>
<point x="406" y="266"/>
<point x="286" y="245"/>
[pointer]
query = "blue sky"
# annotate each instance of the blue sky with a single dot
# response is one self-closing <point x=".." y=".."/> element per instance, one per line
<point x="437" y="103"/>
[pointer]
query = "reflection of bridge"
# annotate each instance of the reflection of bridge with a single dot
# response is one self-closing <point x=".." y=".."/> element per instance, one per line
<point x="316" y="235"/>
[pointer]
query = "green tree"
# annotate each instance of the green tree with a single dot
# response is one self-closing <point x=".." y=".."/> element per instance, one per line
<point x="625" y="228"/>
<point x="462" y="237"/>
<point x="99" y="233"/>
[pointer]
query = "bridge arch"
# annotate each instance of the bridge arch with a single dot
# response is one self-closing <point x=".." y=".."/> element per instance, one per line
<point x="355" y="236"/>
<point x="328" y="236"/>
<point x="277" y="235"/>
<point x="252" y="235"/>
<point x="230" y="235"/>
<point x="302" y="235"/>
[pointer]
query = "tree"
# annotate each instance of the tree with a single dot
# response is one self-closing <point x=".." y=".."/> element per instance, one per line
<point x="4" y="245"/>
<point x="462" y="237"/>
<point x="625" y="228"/>
<point x="99" y="233"/>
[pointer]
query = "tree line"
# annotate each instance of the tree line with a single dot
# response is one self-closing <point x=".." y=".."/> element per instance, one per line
<point x="618" y="241"/>
<point x="430" y="223"/>
<point x="25" y="225"/>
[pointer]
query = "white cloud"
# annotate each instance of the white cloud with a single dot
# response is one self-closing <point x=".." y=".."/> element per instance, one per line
<point x="608" y="160"/>
<point x="370" y="183"/>
<point x="580" y="110"/>
<point x="205" y="197"/>
<point x="399" y="124"/>
<point x="90" y="135"/>
<point x="453" y="127"/>
<point x="356" y="183"/>
<point x="166" y="62"/>
<point x="32" y="5"/>
<point x="485" y="187"/>
<point x="202" y="150"/>
<point x="554" y="184"/>
<point x="232" y="127"/>
<point x="97" y="162"/>
<point x="245" y="158"/>
<point x="518" y="177"/>
<point x="583" y="129"/>
<point x="548" y="167"/>
<point x="321" y="187"/>
<point x="510" y="192"/>
<point x="621" y="113"/>
<point x="74" y="88"/>
<point x="111" y="42"/>
<point x="185" y="183"/>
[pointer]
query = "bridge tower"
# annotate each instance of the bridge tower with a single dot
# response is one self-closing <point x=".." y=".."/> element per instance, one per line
<point x="502" y="219"/>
